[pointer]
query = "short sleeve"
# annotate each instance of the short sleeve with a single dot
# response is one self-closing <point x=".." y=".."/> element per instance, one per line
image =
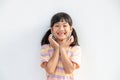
<point x="44" y="54"/>
<point x="76" y="56"/>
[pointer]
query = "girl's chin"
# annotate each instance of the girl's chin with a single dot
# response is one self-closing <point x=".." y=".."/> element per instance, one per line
<point x="61" y="39"/>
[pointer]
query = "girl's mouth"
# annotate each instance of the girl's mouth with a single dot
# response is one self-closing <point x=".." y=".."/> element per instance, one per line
<point x="61" y="33"/>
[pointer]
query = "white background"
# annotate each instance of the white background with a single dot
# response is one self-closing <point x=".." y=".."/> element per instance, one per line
<point x="23" y="23"/>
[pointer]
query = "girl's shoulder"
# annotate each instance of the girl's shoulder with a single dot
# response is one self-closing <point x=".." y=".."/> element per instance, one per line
<point x="46" y="46"/>
<point x="75" y="48"/>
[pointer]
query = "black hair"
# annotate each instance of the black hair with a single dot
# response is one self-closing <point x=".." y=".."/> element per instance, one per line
<point x="60" y="17"/>
<point x="57" y="18"/>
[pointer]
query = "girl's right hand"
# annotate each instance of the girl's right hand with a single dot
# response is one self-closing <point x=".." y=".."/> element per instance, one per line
<point x="53" y="43"/>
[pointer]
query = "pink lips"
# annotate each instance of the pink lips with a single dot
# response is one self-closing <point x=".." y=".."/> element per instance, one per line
<point x="61" y="33"/>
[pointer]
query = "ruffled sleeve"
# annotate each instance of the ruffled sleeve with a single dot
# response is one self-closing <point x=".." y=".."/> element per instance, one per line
<point x="45" y="56"/>
<point x="76" y="56"/>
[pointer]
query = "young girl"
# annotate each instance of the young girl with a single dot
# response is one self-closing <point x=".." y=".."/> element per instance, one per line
<point x="60" y="49"/>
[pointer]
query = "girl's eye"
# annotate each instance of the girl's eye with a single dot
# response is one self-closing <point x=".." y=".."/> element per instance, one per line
<point x="65" y="25"/>
<point x="56" y="25"/>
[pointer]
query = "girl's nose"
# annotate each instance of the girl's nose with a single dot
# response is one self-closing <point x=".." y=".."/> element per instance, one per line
<point x="61" y="28"/>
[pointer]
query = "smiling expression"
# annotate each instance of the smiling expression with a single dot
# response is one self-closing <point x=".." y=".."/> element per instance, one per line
<point x="61" y="30"/>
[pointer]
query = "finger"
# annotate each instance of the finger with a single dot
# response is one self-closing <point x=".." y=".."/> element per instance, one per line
<point x="71" y="39"/>
<point x="50" y="38"/>
<point x="68" y="41"/>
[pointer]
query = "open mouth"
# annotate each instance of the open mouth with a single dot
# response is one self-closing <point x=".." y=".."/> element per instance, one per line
<point x="61" y="33"/>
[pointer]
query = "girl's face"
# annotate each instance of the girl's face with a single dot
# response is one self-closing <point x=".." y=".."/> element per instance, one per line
<point x="61" y="30"/>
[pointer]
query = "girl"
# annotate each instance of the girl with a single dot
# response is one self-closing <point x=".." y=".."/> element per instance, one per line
<point x="60" y="49"/>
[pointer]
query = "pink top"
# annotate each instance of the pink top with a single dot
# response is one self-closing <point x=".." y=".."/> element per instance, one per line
<point x="74" y="55"/>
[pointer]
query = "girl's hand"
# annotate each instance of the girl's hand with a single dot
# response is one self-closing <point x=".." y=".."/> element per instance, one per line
<point x="53" y="43"/>
<point x="67" y="43"/>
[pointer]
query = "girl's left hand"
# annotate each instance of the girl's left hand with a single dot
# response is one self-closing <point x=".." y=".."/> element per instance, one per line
<point x="67" y="43"/>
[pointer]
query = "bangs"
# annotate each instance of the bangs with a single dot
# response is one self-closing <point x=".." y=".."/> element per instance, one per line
<point x="60" y="18"/>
